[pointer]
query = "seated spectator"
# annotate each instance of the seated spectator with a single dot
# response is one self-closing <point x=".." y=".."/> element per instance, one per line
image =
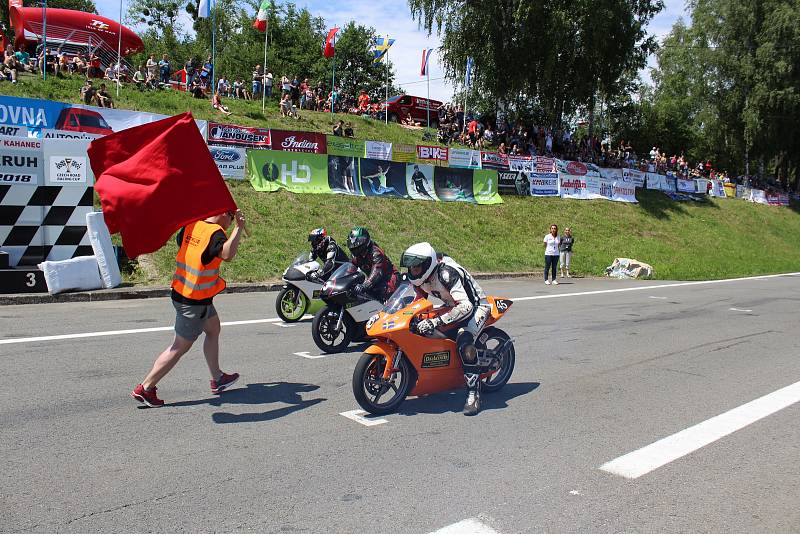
<point x="338" y="129"/>
<point x="238" y="90"/>
<point x="7" y="74"/>
<point x="79" y="66"/>
<point x="23" y="59"/>
<point x="288" y="109"/>
<point x="88" y="93"/>
<point x="348" y="130"/>
<point x="95" y="67"/>
<point x="109" y="74"/>
<point x="139" y="78"/>
<point x="502" y="149"/>
<point x="245" y="93"/>
<point x="216" y="103"/>
<point x="363" y="101"/>
<point x="104" y="99"/>
<point x="223" y="87"/>
<point x="408" y="121"/>
<point x="196" y="89"/>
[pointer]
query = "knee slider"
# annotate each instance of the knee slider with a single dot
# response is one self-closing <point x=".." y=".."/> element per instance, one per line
<point x="465" y="342"/>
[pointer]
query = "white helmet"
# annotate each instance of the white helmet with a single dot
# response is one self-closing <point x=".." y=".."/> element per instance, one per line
<point x="419" y="255"/>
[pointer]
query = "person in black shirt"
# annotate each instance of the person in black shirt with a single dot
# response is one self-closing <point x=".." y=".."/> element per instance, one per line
<point x="420" y="180"/>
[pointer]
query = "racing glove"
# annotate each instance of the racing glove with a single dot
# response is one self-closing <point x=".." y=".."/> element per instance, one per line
<point x="359" y="290"/>
<point x="314" y="276"/>
<point x="427" y="326"/>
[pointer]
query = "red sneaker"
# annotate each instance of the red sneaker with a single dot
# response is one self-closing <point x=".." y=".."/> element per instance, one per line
<point x="147" y="397"/>
<point x="224" y="382"/>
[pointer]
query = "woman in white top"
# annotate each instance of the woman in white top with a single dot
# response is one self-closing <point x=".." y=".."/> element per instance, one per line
<point x="551" y="242"/>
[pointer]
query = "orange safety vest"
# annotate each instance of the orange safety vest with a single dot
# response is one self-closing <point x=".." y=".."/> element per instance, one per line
<point x="192" y="279"/>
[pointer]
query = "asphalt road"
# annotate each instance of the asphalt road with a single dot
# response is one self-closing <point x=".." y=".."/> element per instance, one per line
<point x="598" y="375"/>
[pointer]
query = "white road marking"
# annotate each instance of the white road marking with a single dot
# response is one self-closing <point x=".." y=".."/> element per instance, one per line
<point x="574" y="492"/>
<point x="257" y="321"/>
<point x="741" y="310"/>
<point x="284" y="325"/>
<point x="659" y="298"/>
<point x="664" y="451"/>
<point x="306" y="354"/>
<point x="358" y="417"/>
<point x="468" y="526"/>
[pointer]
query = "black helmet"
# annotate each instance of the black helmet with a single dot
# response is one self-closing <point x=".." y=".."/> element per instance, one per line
<point x="358" y="240"/>
<point x="316" y="237"/>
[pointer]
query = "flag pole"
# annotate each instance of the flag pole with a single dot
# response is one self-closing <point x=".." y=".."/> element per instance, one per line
<point x="386" y="102"/>
<point x="428" y="75"/>
<point x="44" y="40"/>
<point x="119" y="49"/>
<point x="333" y="79"/>
<point x="213" y="72"/>
<point x="264" y="73"/>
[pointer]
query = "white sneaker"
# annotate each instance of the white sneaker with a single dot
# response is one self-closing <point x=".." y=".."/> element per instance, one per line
<point x="555" y="282"/>
<point x="547" y="282"/>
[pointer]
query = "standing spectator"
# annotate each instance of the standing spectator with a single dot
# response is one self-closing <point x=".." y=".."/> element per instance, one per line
<point x="223" y="87"/>
<point x="268" y="84"/>
<point x="295" y="89"/>
<point x="565" y="250"/>
<point x="203" y="246"/>
<point x="206" y="73"/>
<point x="189" y="70"/>
<point x="95" y="66"/>
<point x="164" y="69"/>
<point x="310" y="102"/>
<point x="551" y="243"/>
<point x="286" y="85"/>
<point x="257" y="80"/>
<point x="152" y="67"/>
<point x="238" y="90"/>
<point x="104" y="99"/>
<point x="363" y="101"/>
<point x="303" y="88"/>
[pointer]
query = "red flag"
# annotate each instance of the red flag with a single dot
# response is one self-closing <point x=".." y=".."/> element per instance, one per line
<point x="155" y="178"/>
<point x="330" y="43"/>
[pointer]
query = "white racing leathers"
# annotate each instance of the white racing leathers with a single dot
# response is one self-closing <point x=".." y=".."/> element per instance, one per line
<point x="454" y="286"/>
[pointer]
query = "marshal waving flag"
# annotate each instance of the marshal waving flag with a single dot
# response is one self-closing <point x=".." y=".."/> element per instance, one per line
<point x="426" y="57"/>
<point x="262" y="16"/>
<point x="330" y="43"/>
<point x="381" y="48"/>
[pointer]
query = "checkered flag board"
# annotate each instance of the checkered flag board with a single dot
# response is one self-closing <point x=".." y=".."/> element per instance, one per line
<point x="45" y="222"/>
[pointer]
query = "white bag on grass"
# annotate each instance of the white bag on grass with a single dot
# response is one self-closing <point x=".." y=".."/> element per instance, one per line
<point x="629" y="268"/>
<point x="100" y="239"/>
<point x="79" y="273"/>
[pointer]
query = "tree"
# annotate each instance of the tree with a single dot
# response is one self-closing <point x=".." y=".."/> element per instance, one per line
<point x="354" y="63"/>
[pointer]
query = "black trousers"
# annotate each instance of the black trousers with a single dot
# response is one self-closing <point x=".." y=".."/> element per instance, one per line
<point x="550" y="263"/>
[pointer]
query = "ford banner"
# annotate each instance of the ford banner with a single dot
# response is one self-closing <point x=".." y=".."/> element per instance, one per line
<point x="230" y="161"/>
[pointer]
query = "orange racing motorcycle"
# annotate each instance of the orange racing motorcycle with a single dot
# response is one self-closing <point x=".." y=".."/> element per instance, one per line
<point x="400" y="362"/>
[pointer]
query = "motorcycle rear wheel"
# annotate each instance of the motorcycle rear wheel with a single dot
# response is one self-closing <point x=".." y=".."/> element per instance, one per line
<point x="285" y="306"/>
<point x="495" y="339"/>
<point x="368" y="385"/>
<point x="324" y="333"/>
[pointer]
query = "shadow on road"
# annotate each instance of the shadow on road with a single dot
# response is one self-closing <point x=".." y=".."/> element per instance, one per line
<point x="453" y="401"/>
<point x="255" y="394"/>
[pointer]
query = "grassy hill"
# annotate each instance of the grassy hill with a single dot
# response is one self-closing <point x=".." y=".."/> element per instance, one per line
<point x="718" y="239"/>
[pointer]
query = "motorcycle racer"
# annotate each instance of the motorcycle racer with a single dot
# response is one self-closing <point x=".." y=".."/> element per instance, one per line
<point x="442" y="277"/>
<point x="382" y="276"/>
<point x="323" y="246"/>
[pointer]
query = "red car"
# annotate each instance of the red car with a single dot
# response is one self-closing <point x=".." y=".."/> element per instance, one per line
<point x="401" y="106"/>
<point x="82" y="120"/>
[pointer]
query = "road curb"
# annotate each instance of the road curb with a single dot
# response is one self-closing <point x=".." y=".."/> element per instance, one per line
<point x="145" y="292"/>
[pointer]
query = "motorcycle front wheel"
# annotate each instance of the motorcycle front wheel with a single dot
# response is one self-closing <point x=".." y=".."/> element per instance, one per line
<point x="496" y="339"/>
<point x="369" y="387"/>
<point x="326" y="336"/>
<point x="291" y="304"/>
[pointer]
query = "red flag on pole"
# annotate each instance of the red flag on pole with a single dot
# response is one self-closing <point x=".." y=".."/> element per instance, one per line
<point x="155" y="178"/>
<point x="330" y="43"/>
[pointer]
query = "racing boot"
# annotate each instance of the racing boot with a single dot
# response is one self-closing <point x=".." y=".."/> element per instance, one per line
<point x="473" y="404"/>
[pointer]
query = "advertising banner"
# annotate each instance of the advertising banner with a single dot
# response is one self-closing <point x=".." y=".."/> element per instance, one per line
<point x="404" y="153"/>
<point x="544" y="164"/>
<point x="493" y="160"/>
<point x="730" y="190"/>
<point x="717" y="189"/>
<point x="230" y="160"/>
<point x="433" y="155"/>
<point x="420" y="181"/>
<point x="632" y="175"/>
<point x="701" y="185"/>
<point x="623" y="192"/>
<point x="573" y="168"/>
<point x="544" y="184"/>
<point x="21" y="162"/>
<point x="343" y="175"/>
<point x="270" y="170"/>
<point x="484" y="187"/>
<point x="655" y="181"/>
<point x="778" y="199"/>
<point x="18" y="131"/>
<point x="758" y="196"/>
<point x="377" y="150"/>
<point x="685" y="186"/>
<point x="742" y="192"/>
<point x="670" y="183"/>
<point x="453" y="184"/>
<point x="513" y="183"/>
<point x="230" y="134"/>
<point x="579" y="187"/>
<point x="521" y="164"/>
<point x="345" y="146"/>
<point x="613" y="175"/>
<point x="383" y="178"/>
<point x="289" y="141"/>
<point x="464" y="158"/>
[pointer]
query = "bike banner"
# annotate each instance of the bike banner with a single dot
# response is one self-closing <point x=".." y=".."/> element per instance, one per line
<point x="381" y="178"/>
<point x="433" y="155"/>
<point x="230" y="160"/>
<point x="513" y="183"/>
<point x="544" y="184"/>
<point x="270" y="170"/>
<point x="345" y="146"/>
<point x="290" y="141"/>
<point x="404" y="153"/>
<point x="231" y="134"/>
<point x="419" y="181"/>
<point x="522" y="164"/>
<point x="379" y="150"/>
<point x="465" y="158"/>
<point x="484" y="187"/>
<point x="454" y="184"/>
<point x="685" y="186"/>
<point x="632" y="175"/>
<point x="343" y="172"/>
<point x="494" y="160"/>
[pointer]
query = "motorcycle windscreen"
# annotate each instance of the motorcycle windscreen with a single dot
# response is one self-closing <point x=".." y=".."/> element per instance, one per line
<point x="404" y="295"/>
<point x="344" y="276"/>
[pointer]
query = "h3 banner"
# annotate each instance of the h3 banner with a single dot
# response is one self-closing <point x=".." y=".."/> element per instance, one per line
<point x="319" y="173"/>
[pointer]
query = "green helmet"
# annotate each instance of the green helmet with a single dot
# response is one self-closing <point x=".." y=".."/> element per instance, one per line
<point x="358" y="240"/>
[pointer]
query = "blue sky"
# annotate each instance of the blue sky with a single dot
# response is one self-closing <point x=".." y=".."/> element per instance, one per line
<point x="393" y="18"/>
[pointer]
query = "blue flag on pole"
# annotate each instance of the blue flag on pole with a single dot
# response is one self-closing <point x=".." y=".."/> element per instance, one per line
<point x="468" y="76"/>
<point x="204" y="9"/>
<point x="380" y="47"/>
